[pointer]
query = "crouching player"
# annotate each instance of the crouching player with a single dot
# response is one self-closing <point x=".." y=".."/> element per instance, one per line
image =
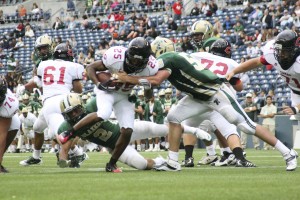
<point x="106" y="133"/>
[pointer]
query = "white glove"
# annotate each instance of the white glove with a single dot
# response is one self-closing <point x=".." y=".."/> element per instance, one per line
<point x="145" y="83"/>
<point x="20" y="90"/>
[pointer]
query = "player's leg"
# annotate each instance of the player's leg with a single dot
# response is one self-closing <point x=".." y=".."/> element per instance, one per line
<point x="236" y="115"/>
<point x="39" y="126"/>
<point x="124" y="111"/>
<point x="186" y="108"/>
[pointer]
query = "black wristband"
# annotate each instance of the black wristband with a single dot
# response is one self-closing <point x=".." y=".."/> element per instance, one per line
<point x="293" y="109"/>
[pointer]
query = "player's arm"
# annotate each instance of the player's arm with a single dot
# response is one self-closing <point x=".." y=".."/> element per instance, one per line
<point x="77" y="86"/>
<point x="93" y="68"/>
<point x="155" y="80"/>
<point x="247" y="66"/>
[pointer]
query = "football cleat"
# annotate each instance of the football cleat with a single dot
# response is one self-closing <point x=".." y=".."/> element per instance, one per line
<point x="245" y="163"/>
<point x="206" y="160"/>
<point x="159" y="161"/>
<point x="31" y="161"/>
<point x="112" y="168"/>
<point x="170" y="165"/>
<point x="291" y="162"/>
<point x="188" y="163"/>
<point x="3" y="169"/>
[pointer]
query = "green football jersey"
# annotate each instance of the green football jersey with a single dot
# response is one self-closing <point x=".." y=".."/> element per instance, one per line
<point x="104" y="133"/>
<point x="207" y="44"/>
<point x="189" y="75"/>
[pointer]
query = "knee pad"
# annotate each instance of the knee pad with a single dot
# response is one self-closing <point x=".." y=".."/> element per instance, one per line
<point x="172" y="117"/>
<point x="248" y="128"/>
<point x="208" y="126"/>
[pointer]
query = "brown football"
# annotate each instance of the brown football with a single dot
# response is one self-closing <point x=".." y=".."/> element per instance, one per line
<point x="103" y="77"/>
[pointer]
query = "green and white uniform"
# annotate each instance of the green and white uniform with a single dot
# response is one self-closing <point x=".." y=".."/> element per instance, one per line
<point x="106" y="134"/>
<point x="189" y="75"/>
<point x="205" y="90"/>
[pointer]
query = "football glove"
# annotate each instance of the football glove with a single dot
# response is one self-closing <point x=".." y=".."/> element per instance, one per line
<point x="65" y="136"/>
<point x="106" y="86"/>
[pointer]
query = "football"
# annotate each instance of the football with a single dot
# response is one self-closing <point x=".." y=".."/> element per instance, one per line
<point x="103" y="77"/>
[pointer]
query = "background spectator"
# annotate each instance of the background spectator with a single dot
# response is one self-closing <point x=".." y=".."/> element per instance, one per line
<point x="22" y="11"/>
<point x="58" y="24"/>
<point x="35" y="9"/>
<point x="195" y="11"/>
<point x="177" y="9"/>
<point x="28" y="31"/>
<point x="70" y="6"/>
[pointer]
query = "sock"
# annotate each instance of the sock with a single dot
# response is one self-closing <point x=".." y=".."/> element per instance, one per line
<point x="151" y="146"/>
<point x="173" y="155"/>
<point x="188" y="151"/>
<point x="189" y="129"/>
<point x="77" y="151"/>
<point x="167" y="145"/>
<point x="238" y="152"/>
<point x="36" y="154"/>
<point x="156" y="146"/>
<point x="13" y="148"/>
<point x="138" y="147"/>
<point x="211" y="150"/>
<point x="27" y="146"/>
<point x="143" y="146"/>
<point x="282" y="149"/>
<point x="227" y="149"/>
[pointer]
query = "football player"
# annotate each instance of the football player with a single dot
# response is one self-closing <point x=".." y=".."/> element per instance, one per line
<point x="57" y="78"/>
<point x="106" y="133"/>
<point x="206" y="93"/>
<point x="283" y="54"/>
<point x="9" y="120"/>
<point x="136" y="60"/>
<point x="201" y="31"/>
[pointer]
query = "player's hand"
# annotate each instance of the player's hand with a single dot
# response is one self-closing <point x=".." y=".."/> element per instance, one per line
<point x="20" y="90"/>
<point x="121" y="76"/>
<point x="145" y="83"/>
<point x="289" y="110"/>
<point x="65" y="136"/>
<point x="107" y="86"/>
<point x="230" y="75"/>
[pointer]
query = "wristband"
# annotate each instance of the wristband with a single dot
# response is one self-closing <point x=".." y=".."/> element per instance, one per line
<point x="295" y="109"/>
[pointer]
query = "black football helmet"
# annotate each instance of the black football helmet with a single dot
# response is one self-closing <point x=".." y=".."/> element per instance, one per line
<point x="63" y="52"/>
<point x="287" y="48"/>
<point x="137" y="55"/>
<point x="3" y="90"/>
<point x="221" y="47"/>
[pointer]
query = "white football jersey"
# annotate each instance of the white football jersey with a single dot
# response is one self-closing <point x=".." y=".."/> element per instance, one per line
<point x="114" y="59"/>
<point x="28" y="121"/>
<point x="10" y="105"/>
<point x="291" y="75"/>
<point x="57" y="76"/>
<point x="218" y="65"/>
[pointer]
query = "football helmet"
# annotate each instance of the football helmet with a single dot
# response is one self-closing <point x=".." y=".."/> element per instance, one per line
<point x="162" y="45"/>
<point x="140" y="93"/>
<point x="71" y="108"/>
<point x="3" y="90"/>
<point x="168" y="91"/>
<point x="44" y="41"/>
<point x="137" y="55"/>
<point x="221" y="47"/>
<point x="63" y="52"/>
<point x="287" y="48"/>
<point x="201" y="31"/>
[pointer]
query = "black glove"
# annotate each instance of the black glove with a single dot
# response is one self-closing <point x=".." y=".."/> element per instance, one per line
<point x="132" y="98"/>
<point x="107" y="86"/>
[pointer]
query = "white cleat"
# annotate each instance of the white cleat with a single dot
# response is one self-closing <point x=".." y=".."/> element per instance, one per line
<point x="291" y="162"/>
<point x="169" y="165"/>
<point x="206" y="160"/>
<point x="202" y="135"/>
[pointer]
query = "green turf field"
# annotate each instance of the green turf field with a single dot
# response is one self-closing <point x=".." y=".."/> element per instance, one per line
<point x="268" y="181"/>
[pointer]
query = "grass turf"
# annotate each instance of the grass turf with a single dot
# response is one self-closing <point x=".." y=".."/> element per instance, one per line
<point x="47" y="181"/>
